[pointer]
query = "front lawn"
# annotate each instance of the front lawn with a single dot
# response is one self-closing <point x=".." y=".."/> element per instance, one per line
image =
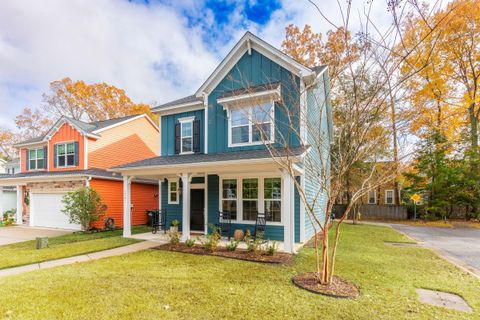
<point x="69" y="245"/>
<point x="157" y="284"/>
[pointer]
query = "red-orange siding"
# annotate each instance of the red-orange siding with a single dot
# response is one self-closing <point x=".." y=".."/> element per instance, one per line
<point x="144" y="197"/>
<point x="66" y="134"/>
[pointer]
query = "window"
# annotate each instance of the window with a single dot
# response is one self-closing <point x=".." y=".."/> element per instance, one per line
<point x="66" y="154"/>
<point x="251" y="125"/>
<point x="186" y="139"/>
<point x="250" y="199"/>
<point x="389" y="197"/>
<point x="229" y="197"/>
<point x="173" y="192"/>
<point x="36" y="159"/>
<point x="372" y="197"/>
<point x="273" y="198"/>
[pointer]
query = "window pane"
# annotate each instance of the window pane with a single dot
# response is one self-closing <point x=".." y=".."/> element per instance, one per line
<point x="173" y="186"/>
<point x="186" y="144"/>
<point x="273" y="188"/>
<point x="33" y="164"/>
<point x="250" y="209"/>
<point x="40" y="164"/>
<point x="231" y="206"/>
<point x="33" y="154"/>
<point x="250" y="188"/>
<point x="70" y="148"/>
<point x="173" y="196"/>
<point x="40" y="153"/>
<point x="240" y="134"/>
<point x="61" y="149"/>
<point x="261" y="113"/>
<point x="186" y="129"/>
<point x="240" y="117"/>
<point x="274" y="208"/>
<point x="259" y="131"/>
<point x="229" y="189"/>
<point x="70" y="160"/>
<point x="61" y="161"/>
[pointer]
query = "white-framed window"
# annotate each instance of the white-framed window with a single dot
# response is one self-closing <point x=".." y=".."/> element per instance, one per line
<point x="173" y="191"/>
<point x="229" y="197"/>
<point x="245" y="197"/>
<point x="251" y="125"/>
<point x="36" y="159"/>
<point x="273" y="198"/>
<point x="66" y="154"/>
<point x="389" y="198"/>
<point x="372" y="197"/>
<point x="186" y="135"/>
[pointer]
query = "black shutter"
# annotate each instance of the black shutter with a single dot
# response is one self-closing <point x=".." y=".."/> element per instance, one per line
<point x="196" y="136"/>
<point x="177" y="138"/>
<point x="55" y="150"/>
<point x="45" y="158"/>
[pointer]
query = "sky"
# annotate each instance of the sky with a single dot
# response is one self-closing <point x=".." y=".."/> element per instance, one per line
<point x="155" y="50"/>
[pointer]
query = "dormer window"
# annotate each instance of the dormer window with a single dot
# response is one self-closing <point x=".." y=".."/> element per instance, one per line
<point x="251" y="125"/>
<point x="66" y="154"/>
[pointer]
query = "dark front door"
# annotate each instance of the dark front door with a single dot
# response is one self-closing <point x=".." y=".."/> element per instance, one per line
<point x="197" y="205"/>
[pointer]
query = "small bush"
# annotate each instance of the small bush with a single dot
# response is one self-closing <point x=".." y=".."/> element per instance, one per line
<point x="175" y="223"/>
<point x="83" y="206"/>
<point x="255" y="246"/>
<point x="190" y="243"/>
<point x="232" y="246"/>
<point x="271" y="248"/>
<point x="213" y="239"/>
<point x="174" y="237"/>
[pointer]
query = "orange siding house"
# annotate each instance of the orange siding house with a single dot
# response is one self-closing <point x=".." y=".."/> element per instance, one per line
<point x="75" y="154"/>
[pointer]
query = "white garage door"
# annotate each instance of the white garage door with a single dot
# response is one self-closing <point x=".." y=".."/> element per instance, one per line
<point x="46" y="211"/>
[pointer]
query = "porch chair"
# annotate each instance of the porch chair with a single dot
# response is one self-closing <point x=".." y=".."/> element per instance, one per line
<point x="225" y="223"/>
<point x="159" y="220"/>
<point x="261" y="225"/>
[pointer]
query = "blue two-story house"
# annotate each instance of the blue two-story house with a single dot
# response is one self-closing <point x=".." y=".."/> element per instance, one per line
<point x="243" y="144"/>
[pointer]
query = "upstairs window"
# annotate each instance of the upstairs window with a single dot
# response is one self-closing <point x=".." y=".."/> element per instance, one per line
<point x="36" y="159"/>
<point x="187" y="136"/>
<point x="66" y="155"/>
<point x="389" y="197"/>
<point x="251" y="125"/>
<point x="372" y="197"/>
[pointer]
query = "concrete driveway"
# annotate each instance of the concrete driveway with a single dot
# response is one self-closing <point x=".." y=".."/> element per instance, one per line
<point x="459" y="245"/>
<point x="16" y="234"/>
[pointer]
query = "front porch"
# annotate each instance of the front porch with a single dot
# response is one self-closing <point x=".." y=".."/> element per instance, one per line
<point x="194" y="193"/>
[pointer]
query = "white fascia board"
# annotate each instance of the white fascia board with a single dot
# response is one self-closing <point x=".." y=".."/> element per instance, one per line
<point x="31" y="144"/>
<point x="143" y="115"/>
<point x="242" y="46"/>
<point x="186" y="107"/>
<point x="273" y="94"/>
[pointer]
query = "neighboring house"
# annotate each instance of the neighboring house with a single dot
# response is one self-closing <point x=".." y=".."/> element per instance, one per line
<point x="13" y="166"/>
<point x="8" y="194"/>
<point x="74" y="154"/>
<point x="3" y="166"/>
<point x="213" y="159"/>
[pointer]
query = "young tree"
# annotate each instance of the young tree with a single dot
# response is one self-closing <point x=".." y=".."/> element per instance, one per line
<point x="83" y="206"/>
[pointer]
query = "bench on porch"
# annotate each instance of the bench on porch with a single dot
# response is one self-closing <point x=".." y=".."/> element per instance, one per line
<point x="158" y="219"/>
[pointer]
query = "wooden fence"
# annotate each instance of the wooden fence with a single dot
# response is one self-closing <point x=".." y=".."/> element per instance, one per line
<point x="377" y="212"/>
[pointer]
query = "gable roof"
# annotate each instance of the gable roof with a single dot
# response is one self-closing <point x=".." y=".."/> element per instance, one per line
<point x="248" y="42"/>
<point x="89" y="129"/>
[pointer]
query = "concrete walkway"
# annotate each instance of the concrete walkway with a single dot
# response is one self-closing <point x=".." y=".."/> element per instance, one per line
<point x="82" y="258"/>
<point x="9" y="235"/>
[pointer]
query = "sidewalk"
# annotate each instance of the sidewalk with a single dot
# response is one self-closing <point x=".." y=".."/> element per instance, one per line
<point x="81" y="258"/>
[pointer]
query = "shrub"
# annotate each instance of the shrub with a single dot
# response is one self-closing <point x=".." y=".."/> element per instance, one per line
<point x="213" y="239"/>
<point x="175" y="223"/>
<point x="190" y="242"/>
<point x="254" y="246"/>
<point x="83" y="206"/>
<point x="174" y="237"/>
<point x="272" y="248"/>
<point x="232" y="246"/>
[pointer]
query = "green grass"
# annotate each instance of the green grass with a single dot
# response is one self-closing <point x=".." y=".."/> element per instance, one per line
<point x="139" y="285"/>
<point x="69" y="245"/>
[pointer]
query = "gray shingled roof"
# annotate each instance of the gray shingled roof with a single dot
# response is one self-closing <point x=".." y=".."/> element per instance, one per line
<point x="213" y="157"/>
<point x="252" y="89"/>
<point x="87" y="127"/>
<point x="89" y="172"/>
<point x="318" y="69"/>
<point x="188" y="99"/>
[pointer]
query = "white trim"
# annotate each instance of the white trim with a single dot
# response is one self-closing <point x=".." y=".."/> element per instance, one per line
<point x="1" y="204"/>
<point x="85" y="152"/>
<point x="205" y="125"/>
<point x="19" y="213"/>
<point x="179" y="108"/>
<point x="186" y="120"/>
<point x="127" y="206"/>
<point x="186" y="206"/>
<point x="31" y="144"/>
<point x="251" y="124"/>
<point x="303" y="112"/>
<point x="143" y="115"/>
<point x="205" y="212"/>
<point x="251" y="98"/>
<point x="63" y="120"/>
<point x="288" y="212"/>
<point x="169" y="181"/>
<point x="374" y="197"/>
<point x="160" y="135"/>
<point x="302" y="211"/>
<point x="393" y="196"/>
<point x="242" y="46"/>
<point x="32" y="210"/>
<point x="160" y="194"/>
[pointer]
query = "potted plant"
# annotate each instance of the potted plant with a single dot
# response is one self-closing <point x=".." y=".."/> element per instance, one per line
<point x="174" y="225"/>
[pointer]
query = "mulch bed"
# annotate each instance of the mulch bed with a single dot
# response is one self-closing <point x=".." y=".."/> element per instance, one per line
<point x="338" y="288"/>
<point x="239" y="254"/>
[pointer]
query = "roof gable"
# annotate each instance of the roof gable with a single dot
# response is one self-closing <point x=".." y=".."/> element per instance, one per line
<point x="246" y="44"/>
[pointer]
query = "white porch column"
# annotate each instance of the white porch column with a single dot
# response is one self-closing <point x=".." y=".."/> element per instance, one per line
<point x="19" y="214"/>
<point x="288" y="210"/>
<point x="127" y="206"/>
<point x="185" y="206"/>
<point x="160" y="194"/>
<point x="1" y="203"/>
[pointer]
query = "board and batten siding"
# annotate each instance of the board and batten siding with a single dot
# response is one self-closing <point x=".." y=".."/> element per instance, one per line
<point x="253" y="70"/>
<point x="111" y="192"/>
<point x="66" y="133"/>
<point x="168" y="130"/>
<point x="318" y="112"/>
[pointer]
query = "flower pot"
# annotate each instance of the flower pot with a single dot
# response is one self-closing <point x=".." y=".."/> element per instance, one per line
<point x="238" y="235"/>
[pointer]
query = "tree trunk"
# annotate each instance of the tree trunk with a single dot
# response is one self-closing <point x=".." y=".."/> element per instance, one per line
<point x="473" y="131"/>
